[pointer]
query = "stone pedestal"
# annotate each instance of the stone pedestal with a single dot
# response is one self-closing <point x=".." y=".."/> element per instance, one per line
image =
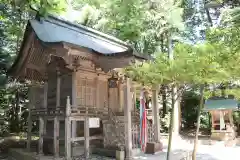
<point x="120" y="155"/>
<point x="153" y="147"/>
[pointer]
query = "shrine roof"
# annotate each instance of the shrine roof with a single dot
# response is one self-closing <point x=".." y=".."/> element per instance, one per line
<point x="52" y="30"/>
<point x="221" y="104"/>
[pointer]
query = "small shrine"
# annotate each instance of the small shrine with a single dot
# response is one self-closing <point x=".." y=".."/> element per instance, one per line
<point x="221" y="110"/>
<point x="80" y="101"/>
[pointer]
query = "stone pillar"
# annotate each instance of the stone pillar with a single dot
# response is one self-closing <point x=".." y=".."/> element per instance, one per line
<point x="56" y="120"/>
<point x="30" y="106"/>
<point x="68" y="131"/>
<point x="128" y="119"/>
<point x="155" y="110"/>
<point x="74" y="100"/>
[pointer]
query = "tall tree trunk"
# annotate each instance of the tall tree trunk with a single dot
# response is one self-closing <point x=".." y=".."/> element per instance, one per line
<point x="198" y="123"/>
<point x="171" y="122"/>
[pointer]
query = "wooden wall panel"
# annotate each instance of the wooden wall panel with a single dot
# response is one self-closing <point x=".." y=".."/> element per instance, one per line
<point x="66" y="88"/>
<point x="103" y="93"/>
<point x="86" y="89"/>
<point x="38" y="93"/>
<point x="52" y="88"/>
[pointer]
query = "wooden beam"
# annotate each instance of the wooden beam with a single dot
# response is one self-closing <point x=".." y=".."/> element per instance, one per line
<point x="128" y="119"/>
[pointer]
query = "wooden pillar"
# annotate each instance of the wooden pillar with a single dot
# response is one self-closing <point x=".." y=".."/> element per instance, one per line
<point x="212" y="116"/>
<point x="56" y="120"/>
<point x="74" y="100"/>
<point x="86" y="137"/>
<point x="230" y="118"/>
<point x="68" y="131"/>
<point x="45" y="102"/>
<point x="155" y="110"/>
<point x="120" y="96"/>
<point x="30" y="106"/>
<point x="113" y="99"/>
<point x="134" y="99"/>
<point x="128" y="119"/>
<point x="97" y="93"/>
<point x="222" y="123"/>
<point x="41" y="132"/>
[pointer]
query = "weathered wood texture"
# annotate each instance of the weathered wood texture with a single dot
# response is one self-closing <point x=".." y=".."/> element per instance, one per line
<point x="86" y="91"/>
<point x="52" y="88"/>
<point x="38" y="96"/>
<point x="66" y="88"/>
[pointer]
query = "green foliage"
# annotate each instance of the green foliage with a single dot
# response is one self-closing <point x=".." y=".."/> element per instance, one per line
<point x="236" y="118"/>
<point x="189" y="106"/>
<point x="13" y="95"/>
<point x="164" y="122"/>
<point x="143" y="24"/>
<point x="191" y="65"/>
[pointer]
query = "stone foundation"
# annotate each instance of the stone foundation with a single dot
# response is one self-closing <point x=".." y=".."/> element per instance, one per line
<point x="222" y="135"/>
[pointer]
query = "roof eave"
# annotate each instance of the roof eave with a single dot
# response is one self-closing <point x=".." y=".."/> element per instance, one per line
<point x="26" y="39"/>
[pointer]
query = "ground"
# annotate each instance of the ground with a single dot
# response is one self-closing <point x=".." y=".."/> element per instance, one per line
<point x="180" y="149"/>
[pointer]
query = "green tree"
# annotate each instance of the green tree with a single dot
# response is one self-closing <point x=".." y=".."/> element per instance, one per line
<point x="14" y="16"/>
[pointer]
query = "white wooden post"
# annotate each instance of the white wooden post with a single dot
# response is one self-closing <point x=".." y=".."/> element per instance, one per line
<point x="155" y="110"/>
<point x="56" y="120"/>
<point x="86" y="136"/>
<point x="128" y="119"/>
<point x="30" y="106"/>
<point x="68" y="131"/>
<point x="74" y="100"/>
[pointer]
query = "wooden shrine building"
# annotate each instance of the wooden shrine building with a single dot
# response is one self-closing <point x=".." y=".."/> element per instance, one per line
<point x="76" y="95"/>
<point x="221" y="110"/>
